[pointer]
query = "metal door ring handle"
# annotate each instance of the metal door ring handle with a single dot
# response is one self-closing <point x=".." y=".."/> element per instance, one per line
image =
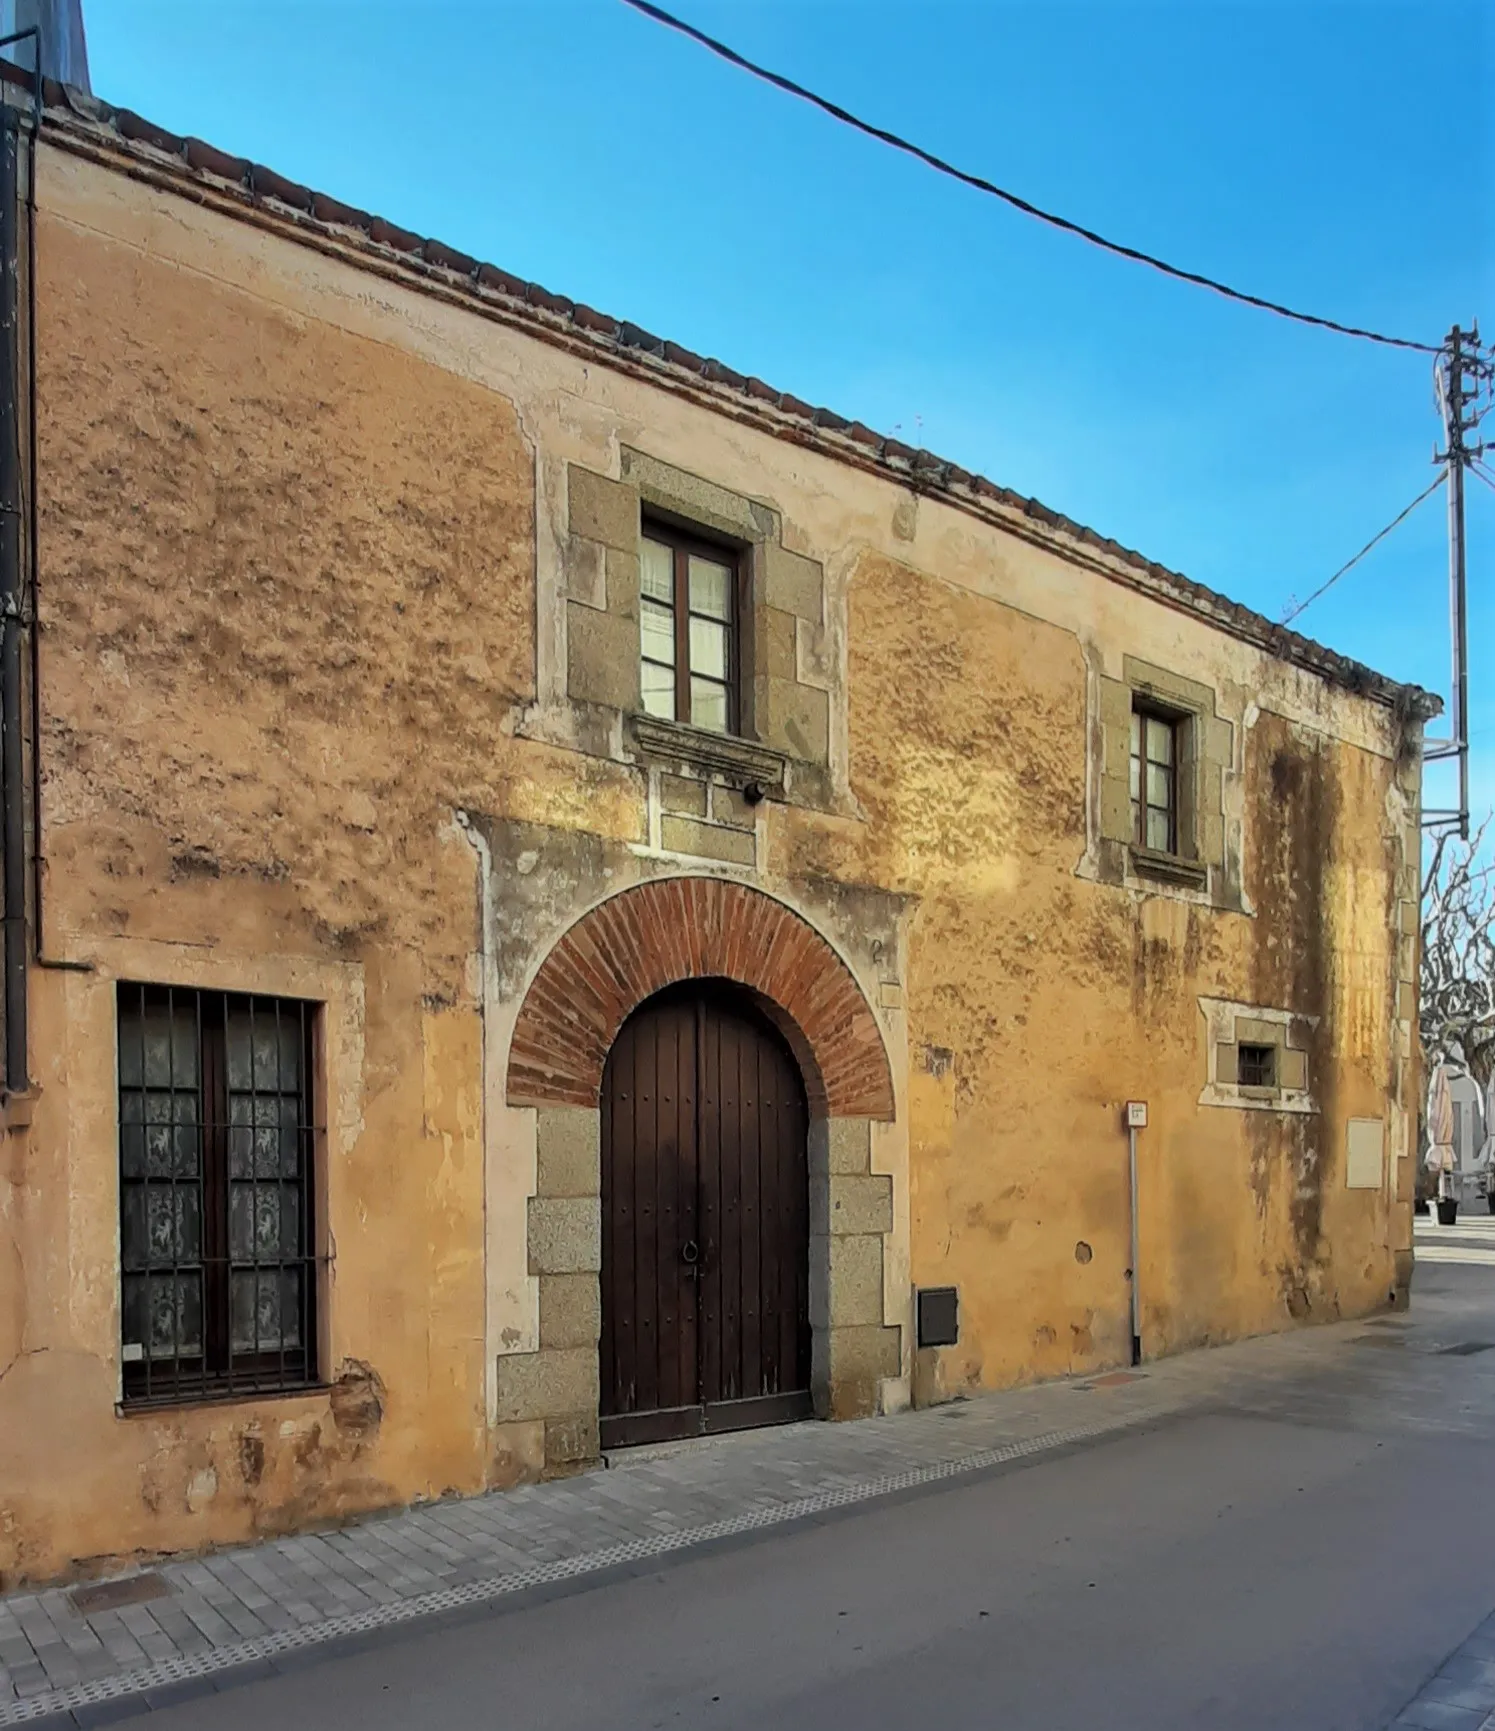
<point x="690" y="1251"/>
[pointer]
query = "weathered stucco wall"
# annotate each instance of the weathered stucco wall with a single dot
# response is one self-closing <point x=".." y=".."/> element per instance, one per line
<point x="304" y="594"/>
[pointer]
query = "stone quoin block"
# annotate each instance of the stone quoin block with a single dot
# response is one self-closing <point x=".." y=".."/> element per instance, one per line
<point x="565" y="1234"/>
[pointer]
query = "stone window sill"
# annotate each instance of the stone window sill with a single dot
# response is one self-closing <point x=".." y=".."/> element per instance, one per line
<point x="739" y="761"/>
<point x="1168" y="868"/>
<point x="1231" y="1096"/>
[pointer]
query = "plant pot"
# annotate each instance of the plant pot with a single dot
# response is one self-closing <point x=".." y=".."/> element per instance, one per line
<point x="1420" y="1206"/>
<point x="1448" y="1211"/>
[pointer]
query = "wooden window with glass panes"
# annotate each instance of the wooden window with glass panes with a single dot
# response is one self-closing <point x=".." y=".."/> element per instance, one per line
<point x="1155" y="783"/>
<point x="217" y="1143"/>
<point x="688" y="630"/>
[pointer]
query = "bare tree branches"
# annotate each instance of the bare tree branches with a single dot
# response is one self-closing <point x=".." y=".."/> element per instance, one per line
<point x="1458" y="955"/>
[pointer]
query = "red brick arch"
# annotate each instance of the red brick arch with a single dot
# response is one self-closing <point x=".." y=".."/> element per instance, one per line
<point x="649" y="937"/>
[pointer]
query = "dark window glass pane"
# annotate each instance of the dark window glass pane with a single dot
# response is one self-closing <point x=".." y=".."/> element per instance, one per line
<point x="161" y="1225"/>
<point x="172" y="1315"/>
<point x="266" y="1310"/>
<point x="1157" y="830"/>
<point x="1256" y="1066"/>
<point x="659" y="690"/>
<point x="657" y="572"/>
<point x="262" y="1141"/>
<point x="158" y="1040"/>
<point x="264" y="1221"/>
<point x="708" y="648"/>
<point x="708" y="705"/>
<point x="1159" y="740"/>
<point x="710" y="587"/>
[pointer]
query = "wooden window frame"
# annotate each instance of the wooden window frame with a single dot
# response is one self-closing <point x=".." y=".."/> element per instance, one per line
<point x="219" y="1371"/>
<point x="1177" y="722"/>
<point x="683" y="543"/>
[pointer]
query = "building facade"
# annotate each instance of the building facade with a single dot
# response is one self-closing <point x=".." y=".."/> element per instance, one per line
<point x="572" y="887"/>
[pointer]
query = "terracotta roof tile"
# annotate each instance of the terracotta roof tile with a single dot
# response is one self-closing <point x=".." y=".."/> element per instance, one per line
<point x="636" y="337"/>
<point x="591" y="320"/>
<point x="449" y="258"/>
<point x="269" y="184"/>
<point x="384" y="233"/>
<point x="147" y="132"/>
<point x="76" y="113"/>
<point x="490" y="276"/>
<point x="209" y="159"/>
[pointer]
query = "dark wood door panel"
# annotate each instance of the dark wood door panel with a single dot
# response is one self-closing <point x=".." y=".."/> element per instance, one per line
<point x="705" y="1210"/>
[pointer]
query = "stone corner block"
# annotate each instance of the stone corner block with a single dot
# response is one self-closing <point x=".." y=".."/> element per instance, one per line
<point x="570" y="1310"/>
<point x="602" y="657"/>
<point x="601" y="509"/>
<point x="793" y="583"/>
<point x="794" y="718"/>
<point x="855" y="1281"/>
<point x="557" y="1382"/>
<point x="840" y="1145"/>
<point x="860" y="1359"/>
<point x="568" y="1151"/>
<point x="572" y="1443"/>
<point x="516" y="1453"/>
<point x="565" y="1234"/>
<point x="850" y="1204"/>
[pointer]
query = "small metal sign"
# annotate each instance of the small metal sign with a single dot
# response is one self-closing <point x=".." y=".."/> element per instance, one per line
<point x="1136" y="1114"/>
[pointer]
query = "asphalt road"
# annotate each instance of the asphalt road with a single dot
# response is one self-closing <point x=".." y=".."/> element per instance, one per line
<point x="1303" y="1561"/>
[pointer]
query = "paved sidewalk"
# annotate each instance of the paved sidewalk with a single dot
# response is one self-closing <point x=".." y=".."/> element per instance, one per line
<point x="1462" y="1695"/>
<point x="76" y="1658"/>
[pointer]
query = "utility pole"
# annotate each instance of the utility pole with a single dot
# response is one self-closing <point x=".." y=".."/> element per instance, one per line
<point x="1460" y="373"/>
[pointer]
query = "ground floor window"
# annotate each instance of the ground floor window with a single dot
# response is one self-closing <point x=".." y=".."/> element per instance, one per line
<point x="217" y="1149"/>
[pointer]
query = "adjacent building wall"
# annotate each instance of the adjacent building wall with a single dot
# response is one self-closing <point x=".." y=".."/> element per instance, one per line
<point x="325" y="715"/>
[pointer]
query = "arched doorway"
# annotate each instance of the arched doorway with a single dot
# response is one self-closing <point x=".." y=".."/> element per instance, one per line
<point x="705" y="1220"/>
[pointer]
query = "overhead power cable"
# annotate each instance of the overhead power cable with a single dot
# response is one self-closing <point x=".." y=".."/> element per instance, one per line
<point x="836" y="112"/>
<point x="1349" y="564"/>
<point x="1484" y="475"/>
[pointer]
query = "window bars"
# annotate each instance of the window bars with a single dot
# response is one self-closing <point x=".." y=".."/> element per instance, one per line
<point x="217" y="1152"/>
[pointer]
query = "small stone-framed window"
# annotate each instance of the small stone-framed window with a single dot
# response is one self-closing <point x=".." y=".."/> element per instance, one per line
<point x="689" y="605"/>
<point x="1256" y="1057"/>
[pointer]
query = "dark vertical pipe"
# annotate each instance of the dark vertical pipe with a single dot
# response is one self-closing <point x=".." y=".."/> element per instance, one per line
<point x="12" y="761"/>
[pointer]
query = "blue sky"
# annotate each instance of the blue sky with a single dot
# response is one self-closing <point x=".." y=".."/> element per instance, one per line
<point x="1306" y="150"/>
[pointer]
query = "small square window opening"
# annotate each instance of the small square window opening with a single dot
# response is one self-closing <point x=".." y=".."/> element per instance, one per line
<point x="1154" y="780"/>
<point x="1256" y="1066"/>
<point x="688" y="631"/>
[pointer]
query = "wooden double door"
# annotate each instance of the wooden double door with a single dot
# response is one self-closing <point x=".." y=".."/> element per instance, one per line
<point x="705" y="1221"/>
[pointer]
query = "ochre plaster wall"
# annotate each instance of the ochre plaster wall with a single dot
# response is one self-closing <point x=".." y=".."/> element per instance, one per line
<point x="302" y="532"/>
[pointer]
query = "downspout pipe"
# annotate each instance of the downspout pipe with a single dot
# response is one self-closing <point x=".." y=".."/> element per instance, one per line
<point x="13" y="959"/>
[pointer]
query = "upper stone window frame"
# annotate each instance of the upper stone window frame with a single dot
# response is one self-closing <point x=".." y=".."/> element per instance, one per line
<point x="1195" y="864"/>
<point x="791" y="697"/>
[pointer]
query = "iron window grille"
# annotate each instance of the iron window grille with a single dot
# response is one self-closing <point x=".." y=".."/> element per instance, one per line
<point x="1256" y="1066"/>
<point x="1154" y="779"/>
<point x="689" y="649"/>
<point x="217" y="1157"/>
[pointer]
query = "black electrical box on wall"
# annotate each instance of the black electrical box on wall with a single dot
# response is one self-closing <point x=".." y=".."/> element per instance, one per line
<point x="938" y="1315"/>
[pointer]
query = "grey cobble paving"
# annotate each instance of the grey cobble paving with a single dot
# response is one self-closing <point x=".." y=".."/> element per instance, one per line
<point x="246" y="1607"/>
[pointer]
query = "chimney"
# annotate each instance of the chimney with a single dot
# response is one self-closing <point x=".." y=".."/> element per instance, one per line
<point x="64" y="53"/>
